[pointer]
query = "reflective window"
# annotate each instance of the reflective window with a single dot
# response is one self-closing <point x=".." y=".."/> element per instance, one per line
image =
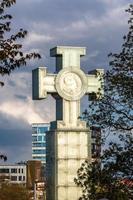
<point x="40" y="144"/>
<point x="34" y="130"/>
<point x="34" y="138"/>
<point x="39" y="151"/>
<point x="39" y="138"/>
<point x="42" y="129"/>
<point x="40" y="158"/>
<point x="44" y="138"/>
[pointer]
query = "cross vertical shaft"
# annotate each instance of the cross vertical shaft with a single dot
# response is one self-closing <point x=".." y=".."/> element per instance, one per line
<point x="67" y="111"/>
<point x="67" y="56"/>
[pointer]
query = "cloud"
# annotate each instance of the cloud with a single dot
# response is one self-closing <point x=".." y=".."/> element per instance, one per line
<point x="34" y="38"/>
<point x="114" y="3"/>
<point x="21" y="110"/>
<point x="87" y="26"/>
<point x="19" y="105"/>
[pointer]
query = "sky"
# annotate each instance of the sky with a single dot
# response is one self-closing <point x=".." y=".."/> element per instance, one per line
<point x="98" y="25"/>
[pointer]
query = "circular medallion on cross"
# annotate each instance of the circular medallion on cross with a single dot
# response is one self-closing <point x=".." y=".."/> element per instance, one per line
<point x="71" y="83"/>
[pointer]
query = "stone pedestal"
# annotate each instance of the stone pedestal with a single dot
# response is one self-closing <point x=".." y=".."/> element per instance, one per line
<point x="66" y="151"/>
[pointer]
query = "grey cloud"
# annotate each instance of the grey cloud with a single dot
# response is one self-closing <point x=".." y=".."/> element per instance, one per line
<point x="58" y="11"/>
<point x="21" y="97"/>
<point x="12" y="83"/>
<point x="78" y="22"/>
<point x="8" y="122"/>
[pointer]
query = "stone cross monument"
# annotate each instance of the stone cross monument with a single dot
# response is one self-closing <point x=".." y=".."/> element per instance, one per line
<point x="68" y="141"/>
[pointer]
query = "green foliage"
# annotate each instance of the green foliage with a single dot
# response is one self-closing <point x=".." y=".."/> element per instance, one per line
<point x="13" y="192"/>
<point x="11" y="54"/>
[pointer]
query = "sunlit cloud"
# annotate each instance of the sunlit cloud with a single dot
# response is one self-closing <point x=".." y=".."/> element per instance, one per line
<point x="34" y="38"/>
<point x="20" y="110"/>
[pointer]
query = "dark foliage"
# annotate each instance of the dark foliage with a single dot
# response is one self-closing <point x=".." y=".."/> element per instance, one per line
<point x="3" y="157"/>
<point x="115" y="109"/>
<point x="112" y="178"/>
<point x="108" y="180"/>
<point x="13" y="192"/>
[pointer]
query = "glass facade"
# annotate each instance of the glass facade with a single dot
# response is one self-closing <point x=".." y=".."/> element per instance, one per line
<point x="39" y="141"/>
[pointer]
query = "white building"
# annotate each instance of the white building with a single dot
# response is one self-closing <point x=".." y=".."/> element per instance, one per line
<point x="15" y="173"/>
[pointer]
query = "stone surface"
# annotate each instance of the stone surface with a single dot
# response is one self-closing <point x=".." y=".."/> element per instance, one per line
<point x="68" y="141"/>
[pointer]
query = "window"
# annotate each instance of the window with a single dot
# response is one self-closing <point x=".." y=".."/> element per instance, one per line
<point x="4" y="170"/>
<point x="22" y="171"/>
<point x="39" y="158"/>
<point x="4" y="177"/>
<point x="34" y="138"/>
<point x="20" y="178"/>
<point x="34" y="130"/>
<point x="13" y="170"/>
<point x="39" y="144"/>
<point x="23" y="178"/>
<point x="39" y="151"/>
<point x="44" y="138"/>
<point x="13" y="178"/>
<point x="42" y="129"/>
<point x="39" y="138"/>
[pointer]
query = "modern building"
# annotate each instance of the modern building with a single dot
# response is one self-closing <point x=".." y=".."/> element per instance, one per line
<point x="15" y="173"/>
<point x="39" y="141"/>
<point x="95" y="142"/>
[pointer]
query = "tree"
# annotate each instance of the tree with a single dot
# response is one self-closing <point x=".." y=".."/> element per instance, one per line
<point x="13" y="192"/>
<point x="114" y="110"/>
<point x="11" y="54"/>
<point x="112" y="180"/>
<point x="114" y="114"/>
<point x="3" y="157"/>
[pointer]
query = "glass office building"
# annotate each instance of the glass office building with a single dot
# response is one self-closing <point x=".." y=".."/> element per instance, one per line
<point x="39" y="141"/>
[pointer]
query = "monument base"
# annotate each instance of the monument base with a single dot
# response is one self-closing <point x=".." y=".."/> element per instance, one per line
<point x="66" y="150"/>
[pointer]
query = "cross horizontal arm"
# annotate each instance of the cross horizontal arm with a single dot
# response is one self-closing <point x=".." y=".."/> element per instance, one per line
<point x="43" y="83"/>
<point x="95" y="81"/>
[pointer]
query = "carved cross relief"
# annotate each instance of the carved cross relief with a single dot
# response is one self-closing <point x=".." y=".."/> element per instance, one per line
<point x="68" y="85"/>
